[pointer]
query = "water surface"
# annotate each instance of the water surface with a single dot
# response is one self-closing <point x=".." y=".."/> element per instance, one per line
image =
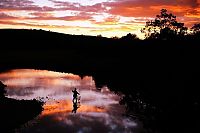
<point x="98" y="110"/>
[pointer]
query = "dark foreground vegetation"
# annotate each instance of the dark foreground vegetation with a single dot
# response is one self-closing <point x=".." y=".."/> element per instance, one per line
<point x="14" y="113"/>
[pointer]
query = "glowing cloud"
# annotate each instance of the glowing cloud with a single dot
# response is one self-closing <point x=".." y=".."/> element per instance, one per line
<point x="106" y="17"/>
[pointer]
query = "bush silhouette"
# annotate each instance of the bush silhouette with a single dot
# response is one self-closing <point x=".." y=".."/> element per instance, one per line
<point x="165" y="26"/>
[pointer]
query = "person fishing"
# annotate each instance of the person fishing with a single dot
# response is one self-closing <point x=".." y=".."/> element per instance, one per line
<point x="75" y="95"/>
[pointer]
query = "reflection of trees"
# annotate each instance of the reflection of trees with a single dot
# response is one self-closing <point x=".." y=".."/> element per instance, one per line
<point x="2" y="90"/>
<point x="161" y="103"/>
<point x="138" y="108"/>
<point x="174" y="106"/>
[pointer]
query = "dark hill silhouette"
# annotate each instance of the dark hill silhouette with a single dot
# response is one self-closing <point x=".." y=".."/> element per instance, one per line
<point x="163" y="74"/>
<point x="42" y="39"/>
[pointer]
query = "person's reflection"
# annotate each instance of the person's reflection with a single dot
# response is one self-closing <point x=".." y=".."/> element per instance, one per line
<point x="76" y="105"/>
<point x="75" y="101"/>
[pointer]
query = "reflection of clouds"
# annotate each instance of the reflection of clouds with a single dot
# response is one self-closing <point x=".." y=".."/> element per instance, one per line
<point x="61" y="106"/>
<point x="30" y="77"/>
<point x="99" y="112"/>
<point x="88" y="117"/>
<point x="87" y="122"/>
<point x="31" y="73"/>
<point x="19" y="93"/>
<point x="68" y="122"/>
<point x="13" y="82"/>
<point x="29" y="93"/>
<point x="108" y="119"/>
<point x="94" y="97"/>
<point x="128" y="123"/>
<point x="63" y="82"/>
<point x="29" y="83"/>
<point x="47" y="82"/>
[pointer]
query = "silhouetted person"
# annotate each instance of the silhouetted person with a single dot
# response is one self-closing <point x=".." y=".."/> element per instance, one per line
<point x="75" y="95"/>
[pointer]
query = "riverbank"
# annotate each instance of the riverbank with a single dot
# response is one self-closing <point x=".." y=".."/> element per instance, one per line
<point x="14" y="113"/>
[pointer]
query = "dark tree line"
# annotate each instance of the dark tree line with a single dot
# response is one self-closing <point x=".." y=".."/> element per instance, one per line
<point x="166" y="27"/>
<point x="2" y="90"/>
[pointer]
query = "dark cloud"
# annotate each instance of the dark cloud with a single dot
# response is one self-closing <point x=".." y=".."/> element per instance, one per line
<point x="60" y="5"/>
<point x="15" y="4"/>
<point x="139" y="3"/>
<point x="6" y="16"/>
<point x="146" y="3"/>
<point x="24" y="24"/>
<point x="35" y="25"/>
<point x="149" y="8"/>
<point x="192" y="3"/>
<point x="66" y="18"/>
<point x="41" y="14"/>
<point x="94" y="8"/>
<point x="26" y="5"/>
<point x="65" y="4"/>
<point x="49" y="16"/>
<point x="193" y="12"/>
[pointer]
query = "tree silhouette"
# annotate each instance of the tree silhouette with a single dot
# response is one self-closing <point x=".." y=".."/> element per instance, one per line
<point x="130" y="37"/>
<point x="195" y="32"/>
<point x="164" y="26"/>
<point x="196" y="28"/>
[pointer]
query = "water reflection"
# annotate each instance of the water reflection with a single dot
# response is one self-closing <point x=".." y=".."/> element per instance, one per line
<point x="98" y="110"/>
<point x="75" y="107"/>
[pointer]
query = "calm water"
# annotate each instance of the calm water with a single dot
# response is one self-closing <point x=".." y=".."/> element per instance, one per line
<point x="98" y="110"/>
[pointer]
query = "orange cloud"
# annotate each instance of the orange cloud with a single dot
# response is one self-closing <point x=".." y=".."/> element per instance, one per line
<point x="77" y="17"/>
<point x="108" y="14"/>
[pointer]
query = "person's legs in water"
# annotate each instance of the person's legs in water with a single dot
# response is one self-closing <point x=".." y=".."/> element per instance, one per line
<point x="75" y="98"/>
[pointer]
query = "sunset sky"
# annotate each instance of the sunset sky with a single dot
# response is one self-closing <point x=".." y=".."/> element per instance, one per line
<point x="92" y="17"/>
